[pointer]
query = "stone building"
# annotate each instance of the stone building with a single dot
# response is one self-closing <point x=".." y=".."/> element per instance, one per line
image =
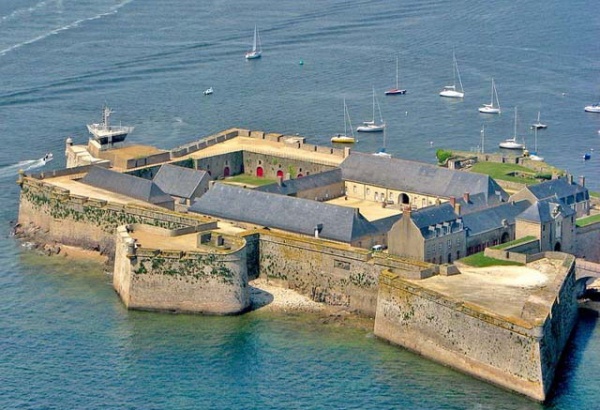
<point x="404" y="182"/>
<point x="132" y="186"/>
<point x="319" y="187"/>
<point x="574" y="195"/>
<point x="183" y="184"/>
<point x="552" y="222"/>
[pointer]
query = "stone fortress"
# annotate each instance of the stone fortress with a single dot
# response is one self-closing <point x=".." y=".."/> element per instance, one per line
<point x="183" y="239"/>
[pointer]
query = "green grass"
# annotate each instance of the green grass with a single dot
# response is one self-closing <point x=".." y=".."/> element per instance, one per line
<point x="479" y="260"/>
<point x="249" y="180"/>
<point x="595" y="194"/>
<point x="588" y="220"/>
<point x="500" y="171"/>
<point x="515" y="242"/>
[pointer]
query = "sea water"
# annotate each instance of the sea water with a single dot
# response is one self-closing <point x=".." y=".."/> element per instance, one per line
<point x="66" y="339"/>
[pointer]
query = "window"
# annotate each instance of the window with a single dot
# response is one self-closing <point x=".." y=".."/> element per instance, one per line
<point x="354" y="189"/>
<point x="449" y="243"/>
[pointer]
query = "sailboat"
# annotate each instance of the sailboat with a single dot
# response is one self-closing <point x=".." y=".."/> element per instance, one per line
<point x="256" y="47"/>
<point x="534" y="155"/>
<point x="382" y="152"/>
<point x="396" y="90"/>
<point x="538" y="125"/>
<point x="451" y="91"/>
<point x="511" y="143"/>
<point x="345" y="138"/>
<point x="372" y="126"/>
<point x="491" y="108"/>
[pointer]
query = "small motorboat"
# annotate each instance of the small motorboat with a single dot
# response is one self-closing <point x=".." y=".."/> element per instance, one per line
<point x="592" y="108"/>
<point x="208" y="91"/>
<point x="587" y="156"/>
<point x="47" y="158"/>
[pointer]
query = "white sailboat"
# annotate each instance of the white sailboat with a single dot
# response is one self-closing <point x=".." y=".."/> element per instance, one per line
<point x="345" y="138"/>
<point x="533" y="155"/>
<point x="451" y="91"/>
<point x="511" y="143"/>
<point x="396" y="90"/>
<point x="382" y="152"/>
<point x="372" y="126"/>
<point x="256" y="51"/>
<point x="538" y="125"/>
<point x="494" y="106"/>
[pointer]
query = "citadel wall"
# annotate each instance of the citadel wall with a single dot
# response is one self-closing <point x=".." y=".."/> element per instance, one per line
<point x="519" y="354"/>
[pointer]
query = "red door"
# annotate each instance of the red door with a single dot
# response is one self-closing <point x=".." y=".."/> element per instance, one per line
<point x="279" y="174"/>
<point x="226" y="172"/>
<point x="259" y="172"/>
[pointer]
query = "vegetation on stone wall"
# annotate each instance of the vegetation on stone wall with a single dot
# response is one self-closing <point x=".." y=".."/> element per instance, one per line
<point x="197" y="267"/>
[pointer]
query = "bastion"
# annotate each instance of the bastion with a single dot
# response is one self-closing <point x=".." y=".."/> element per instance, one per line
<point x="507" y="325"/>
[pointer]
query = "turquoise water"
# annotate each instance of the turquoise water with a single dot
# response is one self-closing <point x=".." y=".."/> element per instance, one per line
<point x="66" y="340"/>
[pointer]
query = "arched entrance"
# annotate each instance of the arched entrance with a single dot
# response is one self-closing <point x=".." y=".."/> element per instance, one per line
<point x="259" y="172"/>
<point x="226" y="171"/>
<point x="299" y="176"/>
<point x="403" y="199"/>
<point x="449" y="258"/>
<point x="557" y="247"/>
<point x="279" y="174"/>
<point x="505" y="237"/>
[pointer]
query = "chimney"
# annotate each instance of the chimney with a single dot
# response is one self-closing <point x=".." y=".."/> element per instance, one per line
<point x="318" y="229"/>
<point x="452" y="201"/>
<point x="280" y="180"/>
<point x="570" y="179"/>
<point x="582" y="180"/>
<point x="457" y="209"/>
<point x="406" y="210"/>
<point x="467" y="197"/>
<point x="437" y="201"/>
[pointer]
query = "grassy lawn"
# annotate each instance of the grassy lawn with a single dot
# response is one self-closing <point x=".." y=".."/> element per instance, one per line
<point x="513" y="243"/>
<point x="249" y="180"/>
<point x="479" y="260"/>
<point x="500" y="171"/>
<point x="588" y="220"/>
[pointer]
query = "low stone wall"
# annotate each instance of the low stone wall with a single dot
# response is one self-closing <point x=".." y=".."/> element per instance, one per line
<point x="210" y="281"/>
<point x="519" y="354"/>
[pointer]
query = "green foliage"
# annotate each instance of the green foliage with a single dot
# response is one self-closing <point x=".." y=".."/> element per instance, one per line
<point x="443" y="155"/>
<point x="479" y="260"/>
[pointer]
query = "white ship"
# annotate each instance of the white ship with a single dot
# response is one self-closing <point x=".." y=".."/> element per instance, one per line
<point x="104" y="133"/>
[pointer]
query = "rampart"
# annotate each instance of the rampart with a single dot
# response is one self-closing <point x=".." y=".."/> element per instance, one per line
<point x="587" y="242"/>
<point x="517" y="353"/>
<point x="87" y="222"/>
<point x="211" y="280"/>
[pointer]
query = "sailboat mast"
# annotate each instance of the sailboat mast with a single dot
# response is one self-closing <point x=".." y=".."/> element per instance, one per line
<point x="397" y="82"/>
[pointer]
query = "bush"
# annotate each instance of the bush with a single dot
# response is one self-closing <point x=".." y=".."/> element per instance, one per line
<point x="443" y="155"/>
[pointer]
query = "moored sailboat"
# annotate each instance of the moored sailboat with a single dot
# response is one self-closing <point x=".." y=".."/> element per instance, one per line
<point x="345" y="138"/>
<point x="538" y="125"/>
<point x="494" y="106"/>
<point x="372" y="126"/>
<point x="511" y="143"/>
<point x="452" y="91"/>
<point x="396" y="90"/>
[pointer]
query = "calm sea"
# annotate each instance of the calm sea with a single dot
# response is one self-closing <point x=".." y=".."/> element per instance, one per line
<point x="66" y="341"/>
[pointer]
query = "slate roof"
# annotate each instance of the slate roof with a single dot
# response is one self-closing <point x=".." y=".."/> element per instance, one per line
<point x="491" y="218"/>
<point x="283" y="212"/>
<point x="418" y="177"/>
<point x="541" y="211"/>
<point x="179" y="181"/>
<point x="559" y="188"/>
<point x="293" y="186"/>
<point x="435" y="216"/>
<point x="129" y="185"/>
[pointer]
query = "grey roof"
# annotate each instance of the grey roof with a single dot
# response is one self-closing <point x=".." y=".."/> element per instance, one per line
<point x="559" y="188"/>
<point x="431" y="218"/>
<point x="492" y="218"/>
<point x="542" y="211"/>
<point x="179" y="181"/>
<point x="283" y="212"/>
<point x="418" y="177"/>
<point x="292" y="186"/>
<point x="129" y="185"/>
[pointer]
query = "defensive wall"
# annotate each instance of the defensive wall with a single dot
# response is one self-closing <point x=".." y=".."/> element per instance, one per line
<point x="211" y="280"/>
<point x="87" y="222"/>
<point x="587" y="242"/>
<point x="517" y="353"/>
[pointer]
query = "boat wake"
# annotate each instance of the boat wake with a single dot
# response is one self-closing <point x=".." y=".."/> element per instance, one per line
<point x="113" y="9"/>
<point x="12" y="170"/>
